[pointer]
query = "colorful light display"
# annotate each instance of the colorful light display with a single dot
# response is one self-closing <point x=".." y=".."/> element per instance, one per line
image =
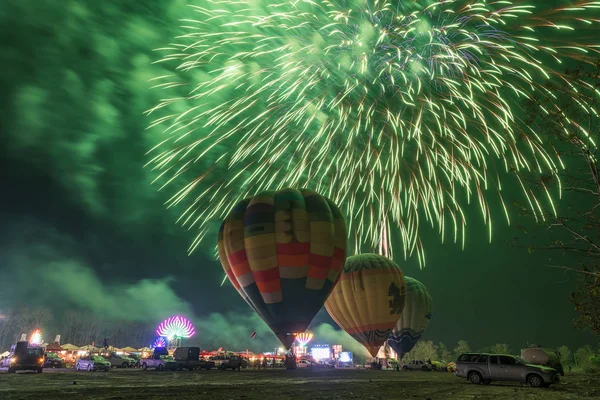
<point x="321" y="352"/>
<point x="303" y="338"/>
<point x="160" y="341"/>
<point x="36" y="337"/>
<point x="345" y="357"/>
<point x="337" y="350"/>
<point x="176" y="328"/>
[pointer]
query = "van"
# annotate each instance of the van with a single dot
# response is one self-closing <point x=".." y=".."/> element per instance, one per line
<point x="187" y="357"/>
<point x="24" y="357"/>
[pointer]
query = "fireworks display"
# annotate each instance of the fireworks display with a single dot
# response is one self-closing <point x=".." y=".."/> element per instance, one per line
<point x="400" y="112"/>
<point x="303" y="338"/>
<point x="36" y="337"/>
<point x="176" y="327"/>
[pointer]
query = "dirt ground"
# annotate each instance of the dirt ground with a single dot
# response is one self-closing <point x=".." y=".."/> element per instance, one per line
<point x="278" y="385"/>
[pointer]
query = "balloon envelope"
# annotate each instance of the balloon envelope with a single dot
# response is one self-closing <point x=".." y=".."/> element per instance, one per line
<point x="368" y="299"/>
<point x="284" y="251"/>
<point x="414" y="319"/>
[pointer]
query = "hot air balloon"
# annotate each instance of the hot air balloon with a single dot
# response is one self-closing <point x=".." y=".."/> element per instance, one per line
<point x="283" y="251"/>
<point x="414" y="318"/>
<point x="368" y="299"/>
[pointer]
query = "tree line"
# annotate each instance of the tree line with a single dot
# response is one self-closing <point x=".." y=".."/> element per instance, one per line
<point x="81" y="328"/>
<point x="584" y="357"/>
<point x="75" y="327"/>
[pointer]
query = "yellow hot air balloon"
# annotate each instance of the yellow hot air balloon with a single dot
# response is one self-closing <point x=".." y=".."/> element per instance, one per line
<point x="368" y="299"/>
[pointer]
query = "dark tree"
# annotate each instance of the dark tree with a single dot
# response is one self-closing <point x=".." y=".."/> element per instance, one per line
<point x="575" y="228"/>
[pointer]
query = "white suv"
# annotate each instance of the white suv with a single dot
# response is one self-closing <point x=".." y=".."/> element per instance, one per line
<point x="417" y="365"/>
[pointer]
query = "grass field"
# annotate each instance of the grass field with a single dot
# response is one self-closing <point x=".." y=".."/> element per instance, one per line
<point x="278" y="385"/>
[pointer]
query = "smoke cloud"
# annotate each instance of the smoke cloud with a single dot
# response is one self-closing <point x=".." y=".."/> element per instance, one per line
<point x="49" y="271"/>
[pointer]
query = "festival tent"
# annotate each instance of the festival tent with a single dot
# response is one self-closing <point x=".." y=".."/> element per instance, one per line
<point x="69" y="347"/>
<point x="128" y="349"/>
<point x="145" y="349"/>
<point x="5" y="354"/>
<point x="54" y="347"/>
<point x="89" y="348"/>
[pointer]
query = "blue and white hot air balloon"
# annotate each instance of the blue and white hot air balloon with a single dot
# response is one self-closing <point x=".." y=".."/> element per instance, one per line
<point x="414" y="319"/>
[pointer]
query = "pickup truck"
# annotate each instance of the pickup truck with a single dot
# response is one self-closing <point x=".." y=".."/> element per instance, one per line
<point x="159" y="360"/>
<point x="482" y="368"/>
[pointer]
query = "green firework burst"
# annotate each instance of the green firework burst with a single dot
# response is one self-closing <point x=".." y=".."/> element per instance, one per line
<point x="399" y="114"/>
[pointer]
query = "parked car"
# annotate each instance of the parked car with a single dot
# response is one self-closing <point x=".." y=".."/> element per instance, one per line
<point x="23" y="357"/>
<point x="231" y="362"/>
<point x="54" y="361"/>
<point x="159" y="360"/>
<point x="541" y="356"/>
<point x="187" y="358"/>
<point x="484" y="368"/>
<point x="324" y="365"/>
<point x="119" y="361"/>
<point x="136" y="360"/>
<point x="92" y="363"/>
<point x="304" y="364"/>
<point x="245" y="362"/>
<point x="439" y="365"/>
<point x="417" y="365"/>
<point x="206" y="364"/>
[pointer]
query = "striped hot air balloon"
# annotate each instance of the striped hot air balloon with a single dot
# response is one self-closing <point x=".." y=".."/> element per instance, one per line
<point x="368" y="299"/>
<point x="414" y="319"/>
<point x="284" y="251"/>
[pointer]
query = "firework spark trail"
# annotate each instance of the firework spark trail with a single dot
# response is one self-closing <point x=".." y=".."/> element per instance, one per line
<point x="397" y="115"/>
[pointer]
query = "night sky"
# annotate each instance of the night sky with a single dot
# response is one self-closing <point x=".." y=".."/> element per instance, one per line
<point x="78" y="213"/>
